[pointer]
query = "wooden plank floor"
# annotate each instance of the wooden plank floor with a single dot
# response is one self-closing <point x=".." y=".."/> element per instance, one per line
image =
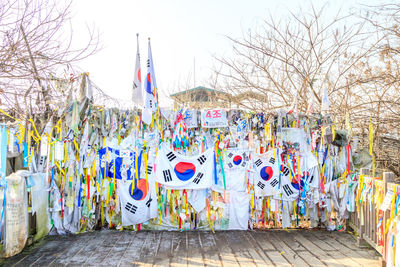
<point x="233" y="248"/>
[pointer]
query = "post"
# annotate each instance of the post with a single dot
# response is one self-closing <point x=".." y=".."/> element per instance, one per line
<point x="365" y="171"/>
<point x="363" y="210"/>
<point x="388" y="177"/>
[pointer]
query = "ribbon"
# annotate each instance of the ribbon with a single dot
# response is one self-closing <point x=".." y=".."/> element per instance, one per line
<point x="8" y="115"/>
<point x="34" y="127"/>
<point x="4" y="203"/>
<point x="208" y="215"/>
<point x="371" y="136"/>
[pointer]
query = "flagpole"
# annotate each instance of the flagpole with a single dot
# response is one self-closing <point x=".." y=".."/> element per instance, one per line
<point x="139" y="120"/>
<point x="137" y="49"/>
<point x="194" y="72"/>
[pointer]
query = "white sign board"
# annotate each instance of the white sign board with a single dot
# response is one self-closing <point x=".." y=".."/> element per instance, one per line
<point x="387" y="201"/>
<point x="191" y="118"/>
<point x="213" y="118"/>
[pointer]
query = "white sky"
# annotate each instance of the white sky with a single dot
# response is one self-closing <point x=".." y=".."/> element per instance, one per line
<point x="180" y="31"/>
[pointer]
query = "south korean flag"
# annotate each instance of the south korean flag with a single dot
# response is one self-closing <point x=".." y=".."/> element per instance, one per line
<point x="289" y="190"/>
<point x="310" y="163"/>
<point x="138" y="204"/>
<point x="236" y="158"/>
<point x="150" y="169"/>
<point x="266" y="176"/>
<point x="181" y="172"/>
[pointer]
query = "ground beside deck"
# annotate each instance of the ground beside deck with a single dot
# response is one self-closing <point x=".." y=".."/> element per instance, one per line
<point x="233" y="248"/>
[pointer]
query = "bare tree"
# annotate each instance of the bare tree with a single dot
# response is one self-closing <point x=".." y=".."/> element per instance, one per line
<point x="295" y="59"/>
<point x="379" y="83"/>
<point x="355" y="57"/>
<point x="37" y="54"/>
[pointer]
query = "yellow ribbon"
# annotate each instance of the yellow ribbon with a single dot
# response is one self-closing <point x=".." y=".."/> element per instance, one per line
<point x="8" y="115"/>
<point x="371" y="136"/>
<point x="34" y="127"/>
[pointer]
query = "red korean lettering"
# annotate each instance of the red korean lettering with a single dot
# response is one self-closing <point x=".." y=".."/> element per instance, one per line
<point x="216" y="113"/>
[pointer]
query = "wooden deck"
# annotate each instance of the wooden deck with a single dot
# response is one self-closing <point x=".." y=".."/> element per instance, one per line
<point x="233" y="248"/>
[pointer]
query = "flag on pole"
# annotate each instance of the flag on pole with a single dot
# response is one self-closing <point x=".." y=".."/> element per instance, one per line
<point x="137" y="95"/>
<point x="325" y="103"/>
<point x="150" y="90"/>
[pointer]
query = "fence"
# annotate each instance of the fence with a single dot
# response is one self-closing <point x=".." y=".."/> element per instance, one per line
<point x="364" y="221"/>
<point x="371" y="225"/>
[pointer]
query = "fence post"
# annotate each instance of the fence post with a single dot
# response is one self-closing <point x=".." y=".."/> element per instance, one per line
<point x="388" y="177"/>
<point x="360" y="240"/>
<point x="365" y="171"/>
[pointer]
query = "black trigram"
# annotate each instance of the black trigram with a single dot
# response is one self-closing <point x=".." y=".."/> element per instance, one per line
<point x="287" y="189"/>
<point x="131" y="208"/>
<point x="230" y="165"/>
<point x="167" y="176"/>
<point x="258" y="162"/>
<point x="311" y="179"/>
<point x="149" y="169"/>
<point x="243" y="163"/>
<point x="42" y="162"/>
<point x="202" y="159"/>
<point x="148" y="202"/>
<point x="261" y="185"/>
<point x="171" y="156"/>
<point x="151" y="103"/>
<point x="198" y="178"/>
<point x="245" y="157"/>
<point x="272" y="160"/>
<point x="285" y="170"/>
<point x="148" y="63"/>
<point x="230" y="155"/>
<point x="274" y="182"/>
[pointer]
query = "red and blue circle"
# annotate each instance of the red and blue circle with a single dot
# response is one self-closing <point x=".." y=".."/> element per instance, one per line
<point x="148" y="84"/>
<point x="139" y="75"/>
<point x="184" y="170"/>
<point x="237" y="159"/>
<point x="266" y="173"/>
<point x="140" y="191"/>
<point x="296" y="186"/>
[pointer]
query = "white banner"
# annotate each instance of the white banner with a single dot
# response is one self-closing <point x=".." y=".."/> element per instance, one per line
<point x="180" y="172"/>
<point x="235" y="180"/>
<point x="241" y="130"/>
<point x="119" y="161"/>
<point x="239" y="210"/>
<point x="191" y="118"/>
<point x="39" y="204"/>
<point x="213" y="118"/>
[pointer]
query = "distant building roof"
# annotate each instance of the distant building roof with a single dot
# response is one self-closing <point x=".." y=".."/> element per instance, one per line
<point x="199" y="88"/>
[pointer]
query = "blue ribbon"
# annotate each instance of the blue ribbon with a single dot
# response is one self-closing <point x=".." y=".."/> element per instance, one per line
<point x="4" y="207"/>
